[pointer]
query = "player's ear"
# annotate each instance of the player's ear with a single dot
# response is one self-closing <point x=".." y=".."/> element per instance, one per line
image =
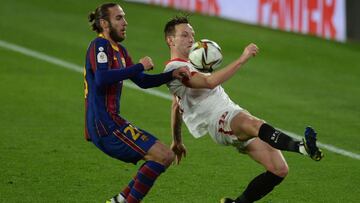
<point x="104" y="23"/>
<point x="170" y="40"/>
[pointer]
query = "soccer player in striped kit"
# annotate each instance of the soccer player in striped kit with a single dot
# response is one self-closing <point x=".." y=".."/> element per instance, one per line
<point x="204" y="106"/>
<point x="108" y="64"/>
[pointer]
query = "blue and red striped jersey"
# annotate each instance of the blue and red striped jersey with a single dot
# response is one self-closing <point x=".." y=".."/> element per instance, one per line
<point x="107" y="65"/>
<point x="102" y="98"/>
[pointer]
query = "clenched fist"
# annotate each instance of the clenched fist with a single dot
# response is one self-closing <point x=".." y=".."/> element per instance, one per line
<point x="249" y="51"/>
<point x="147" y="63"/>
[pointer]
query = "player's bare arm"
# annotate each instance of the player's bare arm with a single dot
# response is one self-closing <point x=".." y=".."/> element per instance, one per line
<point x="218" y="77"/>
<point x="176" y="121"/>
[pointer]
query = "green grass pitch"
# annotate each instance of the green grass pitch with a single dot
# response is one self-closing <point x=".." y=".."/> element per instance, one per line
<point x="295" y="81"/>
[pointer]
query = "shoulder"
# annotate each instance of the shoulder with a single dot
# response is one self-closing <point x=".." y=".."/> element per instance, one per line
<point x="101" y="42"/>
<point x="177" y="63"/>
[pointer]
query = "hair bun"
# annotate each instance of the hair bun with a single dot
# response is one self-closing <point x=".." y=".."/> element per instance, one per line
<point x="91" y="16"/>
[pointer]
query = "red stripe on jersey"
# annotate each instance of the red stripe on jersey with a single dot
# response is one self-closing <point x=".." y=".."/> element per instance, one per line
<point x="110" y="52"/>
<point x="110" y="102"/>
<point x="92" y="57"/>
<point x="122" y="61"/>
<point x="128" y="61"/>
<point x="118" y="120"/>
<point x="129" y="142"/>
<point x="111" y="91"/>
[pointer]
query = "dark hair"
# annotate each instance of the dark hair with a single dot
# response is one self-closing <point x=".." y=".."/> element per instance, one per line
<point x="170" y="25"/>
<point x="101" y="12"/>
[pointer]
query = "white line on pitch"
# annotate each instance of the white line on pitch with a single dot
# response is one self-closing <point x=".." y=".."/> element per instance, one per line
<point x="79" y="69"/>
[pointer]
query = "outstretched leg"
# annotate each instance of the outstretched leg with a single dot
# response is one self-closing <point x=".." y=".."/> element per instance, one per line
<point x="246" y="126"/>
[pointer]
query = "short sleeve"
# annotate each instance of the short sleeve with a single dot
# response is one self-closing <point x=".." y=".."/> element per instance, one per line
<point x="175" y="86"/>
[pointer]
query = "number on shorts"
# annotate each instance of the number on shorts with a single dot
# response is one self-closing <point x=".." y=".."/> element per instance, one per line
<point x="135" y="134"/>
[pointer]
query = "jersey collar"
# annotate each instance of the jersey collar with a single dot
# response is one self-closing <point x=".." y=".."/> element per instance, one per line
<point x="176" y="59"/>
<point x="114" y="46"/>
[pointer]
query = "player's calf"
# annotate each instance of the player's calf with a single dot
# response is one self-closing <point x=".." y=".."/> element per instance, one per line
<point x="277" y="139"/>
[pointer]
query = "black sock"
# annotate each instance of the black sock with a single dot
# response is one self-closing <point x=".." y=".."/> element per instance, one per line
<point x="278" y="139"/>
<point x="260" y="186"/>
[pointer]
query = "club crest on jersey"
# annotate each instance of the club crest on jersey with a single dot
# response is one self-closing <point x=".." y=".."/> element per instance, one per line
<point x="101" y="57"/>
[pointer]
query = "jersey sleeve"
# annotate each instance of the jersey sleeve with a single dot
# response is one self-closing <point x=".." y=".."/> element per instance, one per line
<point x="103" y="53"/>
<point x="144" y="80"/>
<point x="176" y="86"/>
<point x="104" y="75"/>
<point x="171" y="66"/>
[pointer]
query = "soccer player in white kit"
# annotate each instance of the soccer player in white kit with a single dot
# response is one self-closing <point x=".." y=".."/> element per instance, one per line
<point x="203" y="105"/>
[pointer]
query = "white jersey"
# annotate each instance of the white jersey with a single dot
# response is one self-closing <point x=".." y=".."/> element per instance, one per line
<point x="201" y="107"/>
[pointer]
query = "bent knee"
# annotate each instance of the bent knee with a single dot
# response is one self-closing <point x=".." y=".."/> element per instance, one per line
<point x="283" y="171"/>
<point x="166" y="157"/>
<point x="161" y="154"/>
<point x="280" y="170"/>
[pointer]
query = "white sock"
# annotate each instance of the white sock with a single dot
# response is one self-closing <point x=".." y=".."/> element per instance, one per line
<point x="119" y="198"/>
<point x="302" y="149"/>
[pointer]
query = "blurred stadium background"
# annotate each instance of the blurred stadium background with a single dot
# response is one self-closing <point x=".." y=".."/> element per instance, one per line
<point x="296" y="80"/>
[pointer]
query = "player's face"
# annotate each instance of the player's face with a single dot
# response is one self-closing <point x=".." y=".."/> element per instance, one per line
<point x="184" y="38"/>
<point x="118" y="24"/>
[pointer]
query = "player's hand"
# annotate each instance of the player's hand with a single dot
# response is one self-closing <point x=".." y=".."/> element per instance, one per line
<point x="180" y="150"/>
<point x="249" y="51"/>
<point x="147" y="63"/>
<point x="182" y="73"/>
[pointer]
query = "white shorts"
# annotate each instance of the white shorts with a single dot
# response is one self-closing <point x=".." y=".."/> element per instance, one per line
<point x="220" y="131"/>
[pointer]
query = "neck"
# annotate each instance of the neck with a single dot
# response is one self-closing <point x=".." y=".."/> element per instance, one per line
<point x="175" y="54"/>
<point x="107" y="36"/>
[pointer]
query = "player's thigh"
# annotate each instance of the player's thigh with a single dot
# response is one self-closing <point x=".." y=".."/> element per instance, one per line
<point x="127" y="143"/>
<point x="160" y="153"/>
<point x="245" y="126"/>
<point x="271" y="158"/>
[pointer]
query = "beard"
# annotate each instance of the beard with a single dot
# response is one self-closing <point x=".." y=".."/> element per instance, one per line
<point x="114" y="35"/>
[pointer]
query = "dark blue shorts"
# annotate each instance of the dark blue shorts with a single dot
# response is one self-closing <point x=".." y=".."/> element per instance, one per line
<point x="126" y="143"/>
